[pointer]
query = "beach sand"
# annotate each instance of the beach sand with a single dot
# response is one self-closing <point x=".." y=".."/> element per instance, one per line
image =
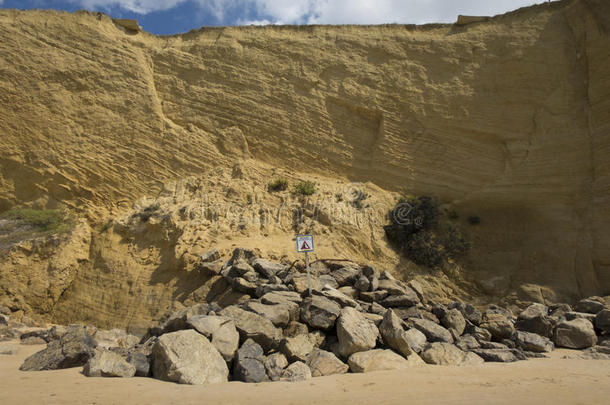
<point x="538" y="381"/>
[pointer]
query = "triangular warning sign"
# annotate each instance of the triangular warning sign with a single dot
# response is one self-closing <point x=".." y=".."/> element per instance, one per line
<point x="305" y="245"/>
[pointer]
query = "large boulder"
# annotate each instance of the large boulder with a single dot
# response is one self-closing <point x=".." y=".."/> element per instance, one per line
<point x="433" y="332"/>
<point x="446" y="354"/>
<point x="297" y="348"/>
<point x="602" y="320"/>
<point x="297" y="371"/>
<point x="253" y="326"/>
<point x="266" y="268"/>
<point x="187" y="357"/>
<point x="354" y="332"/>
<point x="498" y="324"/>
<point x="591" y="305"/>
<point x="575" y="334"/>
<point x="324" y="363"/>
<point x="346" y="275"/>
<point x="535" y="319"/>
<point x="220" y="330"/>
<point x="379" y="359"/>
<point x="454" y="321"/>
<point x="73" y="349"/>
<point x="141" y="363"/>
<point x="532" y="342"/>
<point x="275" y="364"/>
<point x="415" y="339"/>
<point x="108" y="364"/>
<point x="320" y="312"/>
<point x="249" y="363"/>
<point x="105" y="339"/>
<point x="278" y="314"/>
<point x="394" y="335"/>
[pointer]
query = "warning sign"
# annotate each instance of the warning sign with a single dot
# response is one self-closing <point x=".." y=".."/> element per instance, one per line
<point x="304" y="243"/>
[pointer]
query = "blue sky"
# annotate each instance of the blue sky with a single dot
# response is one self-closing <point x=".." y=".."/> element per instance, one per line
<point x="176" y="16"/>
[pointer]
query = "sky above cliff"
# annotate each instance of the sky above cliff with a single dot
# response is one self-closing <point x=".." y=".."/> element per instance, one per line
<point x="176" y="16"/>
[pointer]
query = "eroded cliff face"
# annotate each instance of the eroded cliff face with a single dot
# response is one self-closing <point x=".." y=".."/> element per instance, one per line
<point x="507" y="119"/>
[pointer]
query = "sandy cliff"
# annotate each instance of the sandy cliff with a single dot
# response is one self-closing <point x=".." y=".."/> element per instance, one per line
<point x="507" y="119"/>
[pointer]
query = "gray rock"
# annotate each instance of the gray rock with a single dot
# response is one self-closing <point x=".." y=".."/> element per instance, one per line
<point x="338" y="297"/>
<point x="373" y="296"/>
<point x="251" y="325"/>
<point x="454" y="321"/>
<point x="275" y="364"/>
<point x="362" y="284"/>
<point x="349" y="291"/>
<point x="140" y="362"/>
<point x="498" y="325"/>
<point x="496" y="355"/>
<point x="602" y="320"/>
<point x="324" y="363"/>
<point x="108" y="364"/>
<point x="535" y="319"/>
<point x="187" y="357"/>
<point x="394" y="335"/>
<point x="278" y="314"/>
<point x="73" y="349"/>
<point x="446" y="354"/>
<point x="346" y="275"/>
<point x="575" y="334"/>
<point x="210" y="256"/>
<point x="379" y="359"/>
<point x="591" y="305"/>
<point x="249" y="363"/>
<point x="297" y="348"/>
<point x="244" y="286"/>
<point x="320" y="312"/>
<point x="416" y="340"/>
<point x="297" y="371"/>
<point x="570" y="316"/>
<point x="469" y="312"/>
<point x="392" y="286"/>
<point x="288" y="299"/>
<point x="533" y="343"/>
<point x="266" y="268"/>
<point x="220" y="330"/>
<point x="477" y="332"/>
<point x="418" y="288"/>
<point x="467" y="343"/>
<point x="354" y="332"/>
<point x="177" y="320"/>
<point x="263" y="289"/>
<point x="408" y="299"/>
<point x="433" y="332"/>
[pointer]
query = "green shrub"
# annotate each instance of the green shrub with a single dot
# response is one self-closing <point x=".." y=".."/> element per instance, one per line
<point x="279" y="184"/>
<point x="51" y="221"/>
<point x="305" y="188"/>
<point x="416" y="230"/>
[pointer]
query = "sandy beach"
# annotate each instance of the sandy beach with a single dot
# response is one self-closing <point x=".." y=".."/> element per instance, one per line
<point x="551" y="381"/>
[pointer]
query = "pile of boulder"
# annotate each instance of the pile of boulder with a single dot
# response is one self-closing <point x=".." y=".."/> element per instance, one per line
<point x="357" y="319"/>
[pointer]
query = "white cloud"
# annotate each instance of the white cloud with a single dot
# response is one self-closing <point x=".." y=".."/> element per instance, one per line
<point x="137" y="6"/>
<point x="324" y="11"/>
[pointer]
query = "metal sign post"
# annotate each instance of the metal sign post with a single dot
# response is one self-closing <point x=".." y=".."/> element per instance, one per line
<point x="305" y="245"/>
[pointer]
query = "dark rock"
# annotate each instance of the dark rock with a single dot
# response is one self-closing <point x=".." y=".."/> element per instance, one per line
<point x="266" y="268"/>
<point x="493" y="345"/>
<point x="533" y="343"/>
<point x="468" y="311"/>
<point x="602" y="320"/>
<point x="362" y="284"/>
<point x="393" y="287"/>
<point x="249" y="363"/>
<point x="140" y="362"/>
<point x="591" y="305"/>
<point x="575" y="334"/>
<point x="373" y="296"/>
<point x="496" y="355"/>
<point x="346" y="275"/>
<point x="433" y="332"/>
<point x="408" y="299"/>
<point x="210" y="256"/>
<point x="535" y="319"/>
<point x="467" y="343"/>
<point x="320" y="312"/>
<point x="73" y="349"/>
<point x="477" y="332"/>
